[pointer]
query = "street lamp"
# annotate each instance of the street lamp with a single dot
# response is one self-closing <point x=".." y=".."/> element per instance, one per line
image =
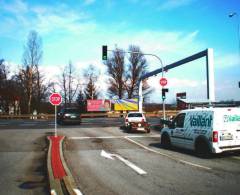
<point x="238" y="30"/>
<point x="238" y="34"/>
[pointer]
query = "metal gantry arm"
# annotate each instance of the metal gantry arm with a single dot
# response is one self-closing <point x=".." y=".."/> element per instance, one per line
<point x="208" y="53"/>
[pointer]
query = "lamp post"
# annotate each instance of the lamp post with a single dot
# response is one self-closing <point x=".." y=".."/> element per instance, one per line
<point x="238" y="34"/>
<point x="140" y="84"/>
<point x="238" y="30"/>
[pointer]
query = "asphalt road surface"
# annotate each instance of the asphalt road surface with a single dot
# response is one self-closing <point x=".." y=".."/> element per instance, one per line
<point x="49" y="124"/>
<point x="166" y="171"/>
<point x="105" y="159"/>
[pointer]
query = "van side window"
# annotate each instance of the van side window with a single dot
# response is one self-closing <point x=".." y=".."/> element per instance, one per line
<point x="179" y="120"/>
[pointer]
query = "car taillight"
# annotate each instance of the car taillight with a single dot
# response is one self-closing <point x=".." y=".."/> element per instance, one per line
<point x="215" y="136"/>
<point x="143" y="120"/>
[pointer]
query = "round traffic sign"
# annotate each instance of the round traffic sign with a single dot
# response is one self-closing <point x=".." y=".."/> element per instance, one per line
<point x="163" y="81"/>
<point x="55" y="99"/>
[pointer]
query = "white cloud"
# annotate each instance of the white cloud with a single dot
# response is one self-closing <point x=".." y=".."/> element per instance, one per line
<point x="17" y="7"/>
<point x="89" y="2"/>
<point x="172" y="4"/>
<point x="44" y="19"/>
<point x="226" y="60"/>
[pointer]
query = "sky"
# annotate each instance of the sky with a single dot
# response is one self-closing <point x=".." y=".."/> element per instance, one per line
<point x="75" y="30"/>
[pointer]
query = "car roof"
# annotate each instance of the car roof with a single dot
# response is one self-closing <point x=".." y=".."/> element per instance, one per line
<point x="135" y="112"/>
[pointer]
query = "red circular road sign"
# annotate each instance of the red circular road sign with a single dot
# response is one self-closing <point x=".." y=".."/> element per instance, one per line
<point x="55" y="99"/>
<point x="163" y="81"/>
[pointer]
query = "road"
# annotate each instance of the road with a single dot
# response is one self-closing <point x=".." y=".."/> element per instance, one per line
<point x="167" y="171"/>
<point x="23" y="148"/>
<point x="49" y="124"/>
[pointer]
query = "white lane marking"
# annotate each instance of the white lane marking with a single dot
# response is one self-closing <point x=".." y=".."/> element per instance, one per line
<point x="169" y="156"/>
<point x="125" y="161"/>
<point x="77" y="191"/>
<point x="236" y="157"/>
<point x="113" y="137"/>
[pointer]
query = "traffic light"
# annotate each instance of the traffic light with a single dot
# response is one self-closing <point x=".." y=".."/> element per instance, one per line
<point x="104" y="52"/>
<point x="164" y="90"/>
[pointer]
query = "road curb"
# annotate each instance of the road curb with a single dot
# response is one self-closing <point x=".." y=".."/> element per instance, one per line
<point x="66" y="184"/>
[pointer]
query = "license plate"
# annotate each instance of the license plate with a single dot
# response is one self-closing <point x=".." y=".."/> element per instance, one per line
<point x="226" y="137"/>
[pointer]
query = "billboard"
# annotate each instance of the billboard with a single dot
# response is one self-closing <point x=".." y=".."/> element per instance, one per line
<point x="125" y="104"/>
<point x="98" y="105"/>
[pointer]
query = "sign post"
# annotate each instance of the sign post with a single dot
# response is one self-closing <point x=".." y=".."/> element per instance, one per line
<point x="55" y="99"/>
<point x="163" y="82"/>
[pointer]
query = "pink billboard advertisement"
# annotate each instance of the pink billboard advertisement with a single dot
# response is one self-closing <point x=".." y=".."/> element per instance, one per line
<point x="98" y="105"/>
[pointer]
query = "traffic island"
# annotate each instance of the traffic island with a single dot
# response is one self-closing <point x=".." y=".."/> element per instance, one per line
<point x="60" y="178"/>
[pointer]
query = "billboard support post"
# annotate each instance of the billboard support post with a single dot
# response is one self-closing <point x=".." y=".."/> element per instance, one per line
<point x="140" y="98"/>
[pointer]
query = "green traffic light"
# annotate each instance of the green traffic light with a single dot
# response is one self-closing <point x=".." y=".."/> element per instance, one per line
<point x="104" y="52"/>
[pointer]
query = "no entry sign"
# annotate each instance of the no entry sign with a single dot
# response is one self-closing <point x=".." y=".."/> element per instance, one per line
<point x="55" y="99"/>
<point x="163" y="81"/>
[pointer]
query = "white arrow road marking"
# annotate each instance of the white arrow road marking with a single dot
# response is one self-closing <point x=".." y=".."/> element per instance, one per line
<point x="53" y="192"/>
<point x="77" y="191"/>
<point x="133" y="166"/>
<point x="106" y="155"/>
<point x="126" y="162"/>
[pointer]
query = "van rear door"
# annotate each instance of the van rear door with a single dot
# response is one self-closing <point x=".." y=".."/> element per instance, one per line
<point x="228" y="126"/>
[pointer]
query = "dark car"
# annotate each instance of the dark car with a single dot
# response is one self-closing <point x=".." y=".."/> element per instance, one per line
<point x="69" y="116"/>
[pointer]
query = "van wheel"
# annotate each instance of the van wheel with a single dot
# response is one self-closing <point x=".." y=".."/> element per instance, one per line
<point x="202" y="149"/>
<point x="165" y="141"/>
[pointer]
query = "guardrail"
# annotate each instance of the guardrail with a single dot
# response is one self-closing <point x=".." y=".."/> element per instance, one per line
<point x="87" y="115"/>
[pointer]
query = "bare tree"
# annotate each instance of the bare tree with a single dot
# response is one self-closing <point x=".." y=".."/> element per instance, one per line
<point x="91" y="75"/>
<point x="81" y="101"/>
<point x="63" y="85"/>
<point x="69" y="84"/>
<point x="116" y="71"/>
<point x="136" y="68"/>
<point x="3" y="71"/>
<point x="30" y="71"/>
<point x="124" y="78"/>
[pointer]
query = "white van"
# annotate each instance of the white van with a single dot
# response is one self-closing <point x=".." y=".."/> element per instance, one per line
<point x="205" y="130"/>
